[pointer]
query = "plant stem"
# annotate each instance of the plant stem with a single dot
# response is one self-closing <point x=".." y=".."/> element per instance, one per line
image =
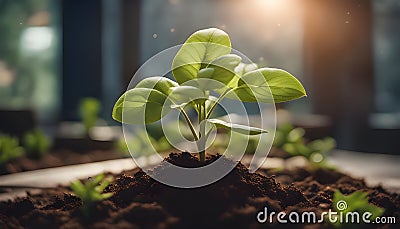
<point x="217" y="102"/>
<point x="202" y="116"/>
<point x="202" y="132"/>
<point x="192" y="129"/>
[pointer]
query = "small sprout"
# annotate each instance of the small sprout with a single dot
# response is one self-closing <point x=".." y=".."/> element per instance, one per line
<point x="315" y="152"/>
<point x="205" y="64"/>
<point x="91" y="192"/>
<point x="292" y="141"/>
<point x="9" y="148"/>
<point x="89" y="109"/>
<point x="355" y="202"/>
<point x="287" y="134"/>
<point x="36" y="144"/>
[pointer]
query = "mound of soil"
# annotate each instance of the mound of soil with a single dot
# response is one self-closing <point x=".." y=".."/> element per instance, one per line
<point x="232" y="202"/>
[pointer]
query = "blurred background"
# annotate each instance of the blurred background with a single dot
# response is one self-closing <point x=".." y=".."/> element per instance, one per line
<point x="55" y="53"/>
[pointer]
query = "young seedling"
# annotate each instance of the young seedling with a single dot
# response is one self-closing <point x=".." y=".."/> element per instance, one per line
<point x="89" y="109"/>
<point x="355" y="202"/>
<point x="9" y="148"/>
<point x="36" y="144"/>
<point x="287" y="134"/>
<point x="292" y="141"/>
<point x="315" y="152"/>
<point x="91" y="192"/>
<point x="206" y="55"/>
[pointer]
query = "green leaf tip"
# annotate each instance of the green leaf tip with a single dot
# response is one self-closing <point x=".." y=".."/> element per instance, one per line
<point x="237" y="127"/>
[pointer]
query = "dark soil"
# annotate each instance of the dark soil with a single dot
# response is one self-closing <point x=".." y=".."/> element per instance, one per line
<point x="232" y="202"/>
<point x="58" y="158"/>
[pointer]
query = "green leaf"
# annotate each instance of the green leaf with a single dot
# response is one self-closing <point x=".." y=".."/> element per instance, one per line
<point x="356" y="202"/>
<point x="223" y="68"/>
<point x="97" y="179"/>
<point x="240" y="70"/>
<point x="237" y="127"/>
<point x="77" y="187"/>
<point x="106" y="195"/>
<point x="159" y="83"/>
<point x="205" y="73"/>
<point x="296" y="135"/>
<point x="140" y="105"/>
<point x="323" y="145"/>
<point x="243" y="68"/>
<point x="255" y="85"/>
<point x="91" y="190"/>
<point x="297" y="149"/>
<point x="9" y="148"/>
<point x="200" y="49"/>
<point x="251" y="93"/>
<point x="185" y="94"/>
<point x="89" y="109"/>
<point x="36" y="143"/>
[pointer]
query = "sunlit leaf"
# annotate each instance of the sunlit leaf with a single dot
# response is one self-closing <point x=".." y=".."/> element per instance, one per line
<point x="185" y="94"/>
<point x="200" y="49"/>
<point x="159" y="83"/>
<point x="223" y="68"/>
<point x="268" y="85"/>
<point x="243" y="68"/>
<point x="237" y="127"/>
<point x="140" y="105"/>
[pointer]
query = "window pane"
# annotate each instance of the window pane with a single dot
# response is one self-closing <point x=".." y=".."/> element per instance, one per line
<point x="387" y="55"/>
<point x="29" y="56"/>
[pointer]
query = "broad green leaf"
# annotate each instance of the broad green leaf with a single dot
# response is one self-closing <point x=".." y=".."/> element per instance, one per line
<point x="223" y="68"/>
<point x="159" y="83"/>
<point x="266" y="83"/>
<point x="185" y="94"/>
<point x="200" y="49"/>
<point x="240" y="70"/>
<point x="243" y="68"/>
<point x="140" y="105"/>
<point x="237" y="127"/>
<point x="284" y="86"/>
<point x="251" y="93"/>
<point x="205" y="73"/>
